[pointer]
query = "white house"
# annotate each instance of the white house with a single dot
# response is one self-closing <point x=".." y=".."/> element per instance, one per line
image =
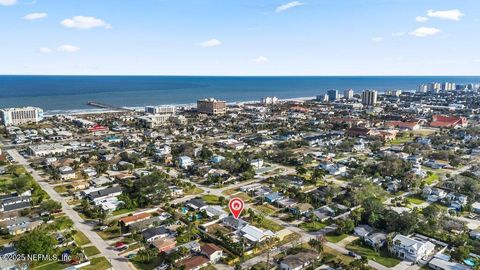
<point x="255" y="234"/>
<point x="185" y="162"/>
<point x="298" y="261"/>
<point x="66" y="173"/>
<point x="411" y="249"/>
<point x="212" y="251"/>
<point x="257" y="163"/>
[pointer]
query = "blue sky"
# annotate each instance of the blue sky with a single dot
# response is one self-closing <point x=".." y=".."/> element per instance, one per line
<point x="240" y="37"/>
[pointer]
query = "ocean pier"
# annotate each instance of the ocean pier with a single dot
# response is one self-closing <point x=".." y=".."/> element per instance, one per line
<point x="106" y="106"/>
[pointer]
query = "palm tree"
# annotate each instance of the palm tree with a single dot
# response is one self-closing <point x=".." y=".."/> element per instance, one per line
<point x="317" y="245"/>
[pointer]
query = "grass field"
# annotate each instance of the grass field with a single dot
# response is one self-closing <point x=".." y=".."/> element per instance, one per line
<point x="244" y="196"/>
<point x="194" y="191"/>
<point x="416" y="201"/>
<point x="312" y="226"/>
<point x="122" y="211"/>
<point x="211" y="199"/>
<point x="146" y="266"/>
<point x="229" y="192"/>
<point x="401" y="140"/>
<point x="267" y="224"/>
<point x="61" y="189"/>
<point x="336" y="238"/>
<point x="52" y="265"/>
<point x="100" y="263"/>
<point x="431" y="178"/>
<point x="381" y="257"/>
<point x="91" y="250"/>
<point x="110" y="233"/>
<point x="337" y="255"/>
<point x="266" y="209"/>
<point x="80" y="238"/>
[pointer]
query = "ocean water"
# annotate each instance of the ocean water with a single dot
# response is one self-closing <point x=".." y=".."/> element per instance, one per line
<point x="64" y="93"/>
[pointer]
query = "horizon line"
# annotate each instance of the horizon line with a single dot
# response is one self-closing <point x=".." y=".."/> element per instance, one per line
<point x="233" y="75"/>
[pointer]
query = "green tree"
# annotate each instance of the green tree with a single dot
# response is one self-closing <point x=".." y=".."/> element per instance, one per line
<point x="36" y="242"/>
<point x="460" y="253"/>
<point x="50" y="206"/>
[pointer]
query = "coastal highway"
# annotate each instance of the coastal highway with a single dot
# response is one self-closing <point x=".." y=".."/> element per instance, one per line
<point x="117" y="261"/>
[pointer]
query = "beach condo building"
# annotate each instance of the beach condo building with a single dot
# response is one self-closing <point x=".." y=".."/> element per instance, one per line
<point x="20" y="116"/>
<point x="160" y="109"/>
<point x="369" y="97"/>
<point x="348" y="94"/>
<point x="211" y="106"/>
<point x="332" y="95"/>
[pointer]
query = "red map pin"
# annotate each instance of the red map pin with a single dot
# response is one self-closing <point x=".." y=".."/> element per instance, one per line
<point x="236" y="207"/>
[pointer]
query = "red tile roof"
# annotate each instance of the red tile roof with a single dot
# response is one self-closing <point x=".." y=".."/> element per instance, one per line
<point x="193" y="262"/>
<point x="134" y="218"/>
<point x="448" y="121"/>
<point x="209" y="249"/>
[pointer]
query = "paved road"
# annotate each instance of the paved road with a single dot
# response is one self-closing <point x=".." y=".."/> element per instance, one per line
<point x="117" y="261"/>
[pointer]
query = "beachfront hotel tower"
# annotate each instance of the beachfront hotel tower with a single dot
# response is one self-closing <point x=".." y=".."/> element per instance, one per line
<point x="211" y="106"/>
<point x="19" y="116"/>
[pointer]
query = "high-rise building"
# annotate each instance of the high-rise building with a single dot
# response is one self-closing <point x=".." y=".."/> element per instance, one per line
<point x="269" y="100"/>
<point x="348" y="94"/>
<point x="369" y="97"/>
<point x="448" y="86"/>
<point x="160" y="109"/>
<point x="394" y="93"/>
<point x="19" y="116"/>
<point x="211" y="106"/>
<point x="423" y="88"/>
<point x="332" y="95"/>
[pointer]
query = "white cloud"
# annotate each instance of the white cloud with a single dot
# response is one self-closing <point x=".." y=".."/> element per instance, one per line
<point x="210" y="43"/>
<point x="261" y="60"/>
<point x="453" y="14"/>
<point x="421" y="19"/>
<point x="35" y="16"/>
<point x="377" y="39"/>
<point x="7" y="2"/>
<point x="84" y="22"/>
<point x="68" y="48"/>
<point x="45" y="50"/>
<point x="398" y="34"/>
<point x="425" y="31"/>
<point x="289" y="5"/>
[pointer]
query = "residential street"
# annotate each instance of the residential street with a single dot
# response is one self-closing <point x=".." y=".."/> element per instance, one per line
<point x="117" y="262"/>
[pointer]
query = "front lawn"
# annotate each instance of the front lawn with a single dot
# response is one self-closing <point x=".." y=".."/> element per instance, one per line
<point x="91" y="251"/>
<point x="266" y="209"/>
<point x="331" y="254"/>
<point x="110" y="233"/>
<point x="312" y="226"/>
<point x="194" y="191"/>
<point x="146" y="265"/>
<point x="122" y="211"/>
<point x="51" y="265"/>
<point x="267" y="224"/>
<point x="416" y="201"/>
<point x="336" y="238"/>
<point x="382" y="257"/>
<point x="99" y="263"/>
<point x="431" y="178"/>
<point x="61" y="189"/>
<point x="80" y="238"/>
<point x="211" y="199"/>
<point x="242" y="195"/>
